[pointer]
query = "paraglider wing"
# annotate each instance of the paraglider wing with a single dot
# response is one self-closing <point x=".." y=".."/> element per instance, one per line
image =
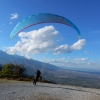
<point x="42" y="18"/>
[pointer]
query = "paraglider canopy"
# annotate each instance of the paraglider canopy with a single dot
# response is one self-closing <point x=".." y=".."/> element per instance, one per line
<point x="42" y="18"/>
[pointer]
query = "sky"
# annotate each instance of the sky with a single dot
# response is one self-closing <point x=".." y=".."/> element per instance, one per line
<point x="53" y="43"/>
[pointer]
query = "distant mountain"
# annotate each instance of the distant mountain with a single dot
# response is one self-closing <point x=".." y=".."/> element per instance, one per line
<point x="30" y="64"/>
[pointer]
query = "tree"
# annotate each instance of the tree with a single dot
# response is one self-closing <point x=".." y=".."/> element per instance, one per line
<point x="0" y="67"/>
<point x="7" y="70"/>
<point x="12" y="71"/>
<point x="19" y="69"/>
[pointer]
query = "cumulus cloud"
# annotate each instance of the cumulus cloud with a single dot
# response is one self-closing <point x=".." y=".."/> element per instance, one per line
<point x="78" y="45"/>
<point x="68" y="49"/>
<point x="14" y="16"/>
<point x="42" y="41"/>
<point x="63" y="49"/>
<point x="37" y="41"/>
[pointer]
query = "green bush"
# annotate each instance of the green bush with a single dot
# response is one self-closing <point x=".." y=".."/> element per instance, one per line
<point x="12" y="71"/>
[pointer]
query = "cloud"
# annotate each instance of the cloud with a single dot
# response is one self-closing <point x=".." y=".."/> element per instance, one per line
<point x="62" y="49"/>
<point x="64" y="63"/>
<point x="56" y="61"/>
<point x="68" y="49"/>
<point x="79" y="44"/>
<point x="42" y="41"/>
<point x="14" y="16"/>
<point x="81" y="59"/>
<point x="37" y="41"/>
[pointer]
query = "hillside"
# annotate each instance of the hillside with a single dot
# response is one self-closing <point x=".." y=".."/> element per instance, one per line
<point x="30" y="64"/>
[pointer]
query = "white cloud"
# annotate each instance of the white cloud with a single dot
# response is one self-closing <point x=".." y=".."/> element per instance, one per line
<point x="37" y="41"/>
<point x="64" y="63"/>
<point x="68" y="49"/>
<point x="14" y="16"/>
<point x="81" y="59"/>
<point x="62" y="49"/>
<point x="42" y="41"/>
<point x="78" y="45"/>
<point x="58" y="62"/>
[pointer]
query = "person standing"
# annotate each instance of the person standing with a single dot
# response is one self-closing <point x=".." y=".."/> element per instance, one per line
<point x="38" y="75"/>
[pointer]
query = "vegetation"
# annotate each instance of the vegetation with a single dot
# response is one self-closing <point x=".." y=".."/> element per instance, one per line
<point x="16" y="72"/>
<point x="12" y="71"/>
<point x="0" y="67"/>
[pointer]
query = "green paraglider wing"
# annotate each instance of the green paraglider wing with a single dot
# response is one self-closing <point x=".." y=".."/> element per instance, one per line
<point x="41" y="18"/>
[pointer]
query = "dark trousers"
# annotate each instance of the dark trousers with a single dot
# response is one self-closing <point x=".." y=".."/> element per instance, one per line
<point x="34" y="82"/>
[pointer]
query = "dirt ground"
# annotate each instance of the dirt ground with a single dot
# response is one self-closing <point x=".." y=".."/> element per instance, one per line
<point x="18" y="90"/>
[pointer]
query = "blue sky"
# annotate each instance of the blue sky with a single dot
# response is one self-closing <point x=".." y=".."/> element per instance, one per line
<point x="84" y="14"/>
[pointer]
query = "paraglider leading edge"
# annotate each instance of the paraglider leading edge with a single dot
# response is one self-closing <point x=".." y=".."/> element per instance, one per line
<point x="42" y="18"/>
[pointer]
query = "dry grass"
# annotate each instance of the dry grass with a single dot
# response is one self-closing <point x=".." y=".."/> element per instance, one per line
<point x="3" y="80"/>
<point x="7" y="81"/>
